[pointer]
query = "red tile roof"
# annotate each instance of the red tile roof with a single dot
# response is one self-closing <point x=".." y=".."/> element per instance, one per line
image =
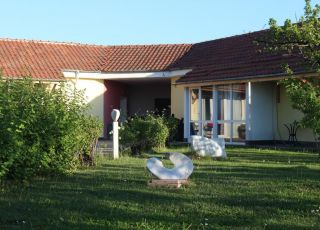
<point x="46" y="60"/>
<point x="228" y="58"/>
<point x="233" y="58"/>
<point x="140" y="58"/>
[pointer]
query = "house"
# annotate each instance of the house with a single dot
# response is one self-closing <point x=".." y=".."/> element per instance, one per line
<point x="224" y="87"/>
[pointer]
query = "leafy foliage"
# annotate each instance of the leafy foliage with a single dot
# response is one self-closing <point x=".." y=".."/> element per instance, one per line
<point x="144" y="133"/>
<point x="88" y="130"/>
<point x="172" y="124"/>
<point x="305" y="97"/>
<point x="42" y="131"/>
<point x="302" y="39"/>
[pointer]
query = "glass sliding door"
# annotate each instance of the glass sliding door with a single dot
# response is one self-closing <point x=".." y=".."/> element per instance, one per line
<point x="224" y="102"/>
<point x="238" y="102"/>
<point x="224" y="111"/>
<point x="231" y="112"/>
<point x="207" y="111"/>
<point x="219" y="111"/>
<point x="238" y="112"/>
<point x="194" y="112"/>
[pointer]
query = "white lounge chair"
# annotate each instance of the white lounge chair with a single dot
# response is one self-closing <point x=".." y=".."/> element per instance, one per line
<point x="182" y="169"/>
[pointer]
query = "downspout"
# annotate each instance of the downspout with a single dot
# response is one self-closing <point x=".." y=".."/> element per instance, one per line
<point x="77" y="75"/>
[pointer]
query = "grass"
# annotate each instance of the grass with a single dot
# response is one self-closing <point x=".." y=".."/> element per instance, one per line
<point x="253" y="189"/>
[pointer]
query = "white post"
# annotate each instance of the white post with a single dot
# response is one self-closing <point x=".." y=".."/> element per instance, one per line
<point x="215" y="112"/>
<point x="186" y="128"/>
<point x="115" y="114"/>
<point x="248" y="110"/>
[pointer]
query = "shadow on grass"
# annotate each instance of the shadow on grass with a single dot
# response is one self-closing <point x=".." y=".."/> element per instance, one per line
<point x="56" y="204"/>
<point x="273" y="156"/>
<point x="259" y="173"/>
<point x="114" y="195"/>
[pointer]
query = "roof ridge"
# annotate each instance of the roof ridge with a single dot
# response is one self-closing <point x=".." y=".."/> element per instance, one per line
<point x="151" y="45"/>
<point x="92" y="45"/>
<point x="50" y="42"/>
<point x="133" y="45"/>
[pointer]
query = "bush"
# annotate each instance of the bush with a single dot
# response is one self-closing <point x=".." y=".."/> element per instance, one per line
<point x="89" y="129"/>
<point x="42" y="131"/>
<point x="173" y="124"/>
<point x="144" y="133"/>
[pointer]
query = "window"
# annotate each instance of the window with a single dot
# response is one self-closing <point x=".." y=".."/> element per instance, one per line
<point x="194" y="112"/>
<point x="219" y="111"/>
<point x="207" y="111"/>
<point x="231" y="112"/>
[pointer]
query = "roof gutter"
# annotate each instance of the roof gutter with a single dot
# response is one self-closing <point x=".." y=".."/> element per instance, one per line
<point x="269" y="77"/>
<point x="120" y="76"/>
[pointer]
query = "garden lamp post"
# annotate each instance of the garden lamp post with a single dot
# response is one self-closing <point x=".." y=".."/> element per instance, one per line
<point x="115" y="114"/>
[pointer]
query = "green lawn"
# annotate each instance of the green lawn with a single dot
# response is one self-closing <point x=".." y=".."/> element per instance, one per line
<point x="253" y="189"/>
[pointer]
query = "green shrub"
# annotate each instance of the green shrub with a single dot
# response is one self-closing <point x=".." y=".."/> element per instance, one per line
<point x="42" y="131"/>
<point x="173" y="124"/>
<point x="144" y="133"/>
<point x="89" y="130"/>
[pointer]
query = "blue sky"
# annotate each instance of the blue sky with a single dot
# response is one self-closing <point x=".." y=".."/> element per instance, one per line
<point x="114" y="22"/>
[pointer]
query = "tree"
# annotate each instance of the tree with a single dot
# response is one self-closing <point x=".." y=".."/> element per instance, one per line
<point x="302" y="39"/>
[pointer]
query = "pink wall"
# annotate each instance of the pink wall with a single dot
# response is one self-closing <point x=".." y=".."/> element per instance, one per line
<point x="115" y="90"/>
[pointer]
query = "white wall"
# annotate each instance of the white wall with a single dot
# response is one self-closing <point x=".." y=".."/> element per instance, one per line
<point x="94" y="94"/>
<point x="177" y="94"/>
<point x="260" y="112"/>
<point x="285" y="115"/>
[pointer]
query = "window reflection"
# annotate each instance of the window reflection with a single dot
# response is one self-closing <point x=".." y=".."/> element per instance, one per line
<point x="224" y="131"/>
<point x="239" y="132"/>
<point x="194" y="100"/>
<point x="238" y="102"/>
<point x="224" y="102"/>
<point x="207" y="129"/>
<point x="207" y="103"/>
<point x="194" y="128"/>
<point x="230" y="113"/>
